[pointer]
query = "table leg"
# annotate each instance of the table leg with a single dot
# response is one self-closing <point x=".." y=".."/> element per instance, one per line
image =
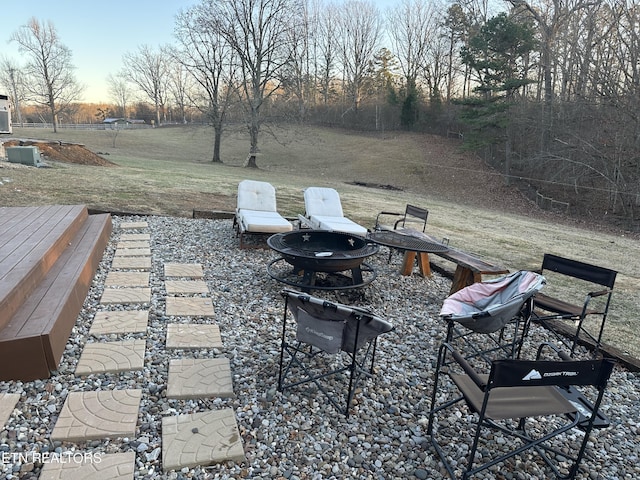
<point x="462" y="278"/>
<point x="423" y="263"/>
<point x="407" y="262"/>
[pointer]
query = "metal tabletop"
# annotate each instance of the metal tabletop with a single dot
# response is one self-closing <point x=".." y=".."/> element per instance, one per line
<point x="404" y="241"/>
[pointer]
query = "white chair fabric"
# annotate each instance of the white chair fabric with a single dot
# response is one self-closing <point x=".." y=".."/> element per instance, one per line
<point x="324" y="211"/>
<point x="256" y="210"/>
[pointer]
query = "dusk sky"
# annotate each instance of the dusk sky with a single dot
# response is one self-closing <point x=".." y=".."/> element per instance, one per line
<point x="99" y="33"/>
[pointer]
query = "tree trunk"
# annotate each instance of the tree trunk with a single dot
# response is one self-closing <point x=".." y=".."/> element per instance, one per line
<point x="217" y="140"/>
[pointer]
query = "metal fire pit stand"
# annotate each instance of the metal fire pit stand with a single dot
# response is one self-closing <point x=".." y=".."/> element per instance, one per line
<point x="321" y="260"/>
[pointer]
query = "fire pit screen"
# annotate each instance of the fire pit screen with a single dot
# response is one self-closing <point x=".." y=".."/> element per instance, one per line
<point x="321" y="260"/>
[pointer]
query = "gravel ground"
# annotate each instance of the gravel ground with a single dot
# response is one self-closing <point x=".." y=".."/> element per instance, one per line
<point x="290" y="435"/>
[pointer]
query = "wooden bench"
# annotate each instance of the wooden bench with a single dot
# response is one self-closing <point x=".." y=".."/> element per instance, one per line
<point x="469" y="268"/>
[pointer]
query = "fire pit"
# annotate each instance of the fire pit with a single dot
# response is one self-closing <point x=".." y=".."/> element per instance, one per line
<point x="330" y="254"/>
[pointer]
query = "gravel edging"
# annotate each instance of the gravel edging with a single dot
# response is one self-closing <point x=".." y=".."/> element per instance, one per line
<point x="291" y="435"/>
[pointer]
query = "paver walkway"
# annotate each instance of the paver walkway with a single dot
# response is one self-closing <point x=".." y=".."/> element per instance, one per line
<point x="189" y="440"/>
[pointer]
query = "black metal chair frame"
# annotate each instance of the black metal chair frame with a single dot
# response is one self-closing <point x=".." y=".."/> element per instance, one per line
<point x="411" y="214"/>
<point x="357" y="352"/>
<point x="562" y="310"/>
<point x="513" y="391"/>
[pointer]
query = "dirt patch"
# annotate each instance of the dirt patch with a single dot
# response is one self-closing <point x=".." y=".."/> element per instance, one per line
<point x="64" y="152"/>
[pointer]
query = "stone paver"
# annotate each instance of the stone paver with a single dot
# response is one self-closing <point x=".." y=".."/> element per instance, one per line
<point x="96" y="466"/>
<point x="131" y="263"/>
<point x="199" y="377"/>
<point x="200" y="439"/>
<point x="189" y="306"/>
<point x="186" y="286"/>
<point x="110" y="357"/>
<point x="126" y="295"/>
<point x="127" y="279"/>
<point x="193" y="270"/>
<point x="133" y="225"/>
<point x="120" y="321"/>
<point x="193" y="335"/>
<point x="132" y="244"/>
<point x="7" y="404"/>
<point x="135" y="237"/>
<point x="132" y="252"/>
<point x="97" y="415"/>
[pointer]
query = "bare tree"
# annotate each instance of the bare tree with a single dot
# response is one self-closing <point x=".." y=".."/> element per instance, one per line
<point x="49" y="70"/>
<point x="204" y="53"/>
<point x="411" y="29"/>
<point x="550" y="16"/>
<point x="258" y="32"/>
<point x="148" y="70"/>
<point x="119" y="92"/>
<point x="327" y="48"/>
<point x="12" y="78"/>
<point x="359" y="29"/>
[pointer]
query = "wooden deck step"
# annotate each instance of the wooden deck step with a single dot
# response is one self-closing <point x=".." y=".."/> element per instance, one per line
<point x="31" y="241"/>
<point x="33" y="340"/>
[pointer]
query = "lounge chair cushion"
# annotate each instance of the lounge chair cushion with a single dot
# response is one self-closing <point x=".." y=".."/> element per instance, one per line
<point x="261" y="221"/>
<point x="322" y="201"/>
<point x="324" y="211"/>
<point x="254" y="195"/>
<point x="336" y="224"/>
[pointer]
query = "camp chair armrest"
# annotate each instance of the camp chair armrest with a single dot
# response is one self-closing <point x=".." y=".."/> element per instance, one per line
<point x="599" y="293"/>
<point x="468" y="369"/>
<point x="564" y="356"/>
<point x="378" y="225"/>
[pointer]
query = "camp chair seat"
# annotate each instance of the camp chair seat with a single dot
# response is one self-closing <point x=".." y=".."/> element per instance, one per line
<point x="514" y="391"/>
<point x="489" y="307"/>
<point x="327" y="342"/>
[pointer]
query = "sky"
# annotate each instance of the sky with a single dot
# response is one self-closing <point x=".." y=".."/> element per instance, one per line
<point x="99" y="33"/>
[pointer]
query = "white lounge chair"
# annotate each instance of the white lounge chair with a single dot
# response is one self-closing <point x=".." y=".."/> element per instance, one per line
<point x="324" y="212"/>
<point x="256" y="211"/>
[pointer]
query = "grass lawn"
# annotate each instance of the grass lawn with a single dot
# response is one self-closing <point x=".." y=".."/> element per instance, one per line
<point x="167" y="171"/>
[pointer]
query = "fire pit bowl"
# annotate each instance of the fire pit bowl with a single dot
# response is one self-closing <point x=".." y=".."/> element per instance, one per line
<point x="320" y="251"/>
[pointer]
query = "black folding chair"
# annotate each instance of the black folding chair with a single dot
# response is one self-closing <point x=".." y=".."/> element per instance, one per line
<point x="505" y="400"/>
<point x="548" y="308"/>
<point x="325" y="341"/>
<point x="412" y="216"/>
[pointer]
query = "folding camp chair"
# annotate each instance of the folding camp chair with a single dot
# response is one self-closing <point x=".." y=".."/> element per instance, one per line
<point x="499" y="309"/>
<point x="505" y="401"/>
<point x="412" y="216"/>
<point x="324" y="341"/>
<point x="256" y="211"/>
<point x="584" y="277"/>
<point x="324" y="212"/>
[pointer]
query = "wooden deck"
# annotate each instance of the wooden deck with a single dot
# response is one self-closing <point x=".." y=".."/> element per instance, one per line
<point x="48" y="257"/>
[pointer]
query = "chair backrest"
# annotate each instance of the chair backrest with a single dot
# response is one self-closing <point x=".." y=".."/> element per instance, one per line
<point x="255" y="195"/>
<point x="322" y="201"/>
<point x="333" y="326"/>
<point x="519" y="373"/>
<point x="413" y="214"/>
<point x="583" y="271"/>
<point x="486" y="307"/>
